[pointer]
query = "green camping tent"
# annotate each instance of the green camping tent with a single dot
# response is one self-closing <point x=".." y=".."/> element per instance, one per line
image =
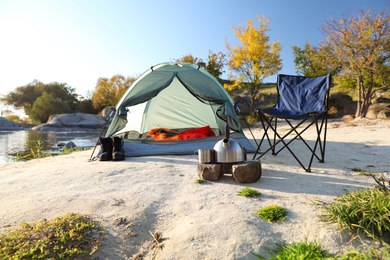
<point x="176" y="96"/>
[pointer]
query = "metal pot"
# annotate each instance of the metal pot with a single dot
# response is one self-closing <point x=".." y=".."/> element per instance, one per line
<point x="229" y="150"/>
<point x="206" y="155"/>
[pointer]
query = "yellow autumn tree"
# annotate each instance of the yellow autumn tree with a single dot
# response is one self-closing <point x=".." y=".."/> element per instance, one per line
<point x="108" y="91"/>
<point x="254" y="59"/>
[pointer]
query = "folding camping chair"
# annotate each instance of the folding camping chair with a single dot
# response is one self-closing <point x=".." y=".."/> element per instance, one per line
<point x="302" y="103"/>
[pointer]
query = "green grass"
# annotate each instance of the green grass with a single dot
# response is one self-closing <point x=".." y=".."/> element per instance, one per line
<point x="199" y="181"/>
<point x="248" y="192"/>
<point x="71" y="150"/>
<point x="364" y="212"/>
<point x="302" y="251"/>
<point x="71" y="236"/>
<point x="313" y="251"/>
<point x="35" y="152"/>
<point x="367" y="254"/>
<point x="272" y="213"/>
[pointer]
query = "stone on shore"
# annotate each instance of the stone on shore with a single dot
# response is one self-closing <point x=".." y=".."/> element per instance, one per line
<point x="6" y="125"/>
<point x="72" y="121"/>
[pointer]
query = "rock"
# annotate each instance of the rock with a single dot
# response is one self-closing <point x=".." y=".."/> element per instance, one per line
<point x="378" y="111"/>
<point x="210" y="172"/>
<point x="67" y="145"/>
<point x="107" y="111"/>
<point x="341" y="104"/>
<point x="380" y="100"/>
<point x="247" y="172"/>
<point x="71" y="121"/>
<point x="7" y="125"/>
<point x="70" y="145"/>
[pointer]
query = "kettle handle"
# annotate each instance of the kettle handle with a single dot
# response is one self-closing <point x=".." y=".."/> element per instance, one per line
<point x="227" y="131"/>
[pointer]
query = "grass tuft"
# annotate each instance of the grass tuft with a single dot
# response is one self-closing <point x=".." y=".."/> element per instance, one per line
<point x="248" y="192"/>
<point x="301" y="250"/>
<point x="365" y="211"/>
<point x="199" y="181"/>
<point x="272" y="213"/>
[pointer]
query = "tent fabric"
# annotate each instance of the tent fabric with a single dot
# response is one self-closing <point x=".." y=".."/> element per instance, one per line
<point x="177" y="96"/>
<point x="135" y="148"/>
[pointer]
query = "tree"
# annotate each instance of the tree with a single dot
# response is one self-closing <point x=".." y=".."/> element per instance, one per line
<point x="309" y="61"/>
<point x="214" y="64"/>
<point x="47" y="105"/>
<point x="108" y="91"/>
<point x="253" y="60"/>
<point x="189" y="58"/>
<point x="361" y="45"/>
<point x="25" y="96"/>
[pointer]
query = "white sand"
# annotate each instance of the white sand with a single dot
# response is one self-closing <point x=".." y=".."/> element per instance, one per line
<point x="209" y="221"/>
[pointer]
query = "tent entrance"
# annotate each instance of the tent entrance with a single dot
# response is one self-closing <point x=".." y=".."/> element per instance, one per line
<point x="174" y="108"/>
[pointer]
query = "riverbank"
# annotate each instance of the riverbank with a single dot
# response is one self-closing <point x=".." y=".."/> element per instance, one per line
<point x="144" y="195"/>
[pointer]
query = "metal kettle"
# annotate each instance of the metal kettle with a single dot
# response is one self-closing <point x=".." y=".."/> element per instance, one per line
<point x="229" y="150"/>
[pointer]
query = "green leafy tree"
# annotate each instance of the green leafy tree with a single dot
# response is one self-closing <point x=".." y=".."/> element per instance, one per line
<point x="253" y="60"/>
<point x="189" y="58"/>
<point x="47" y="105"/>
<point x="309" y="61"/>
<point x="214" y="64"/>
<point x="109" y="91"/>
<point x="361" y="45"/>
<point x="24" y="97"/>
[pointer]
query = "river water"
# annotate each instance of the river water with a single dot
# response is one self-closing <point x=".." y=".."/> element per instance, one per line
<point x="19" y="143"/>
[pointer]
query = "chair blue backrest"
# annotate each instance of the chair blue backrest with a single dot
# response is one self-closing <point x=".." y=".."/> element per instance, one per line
<point x="299" y="96"/>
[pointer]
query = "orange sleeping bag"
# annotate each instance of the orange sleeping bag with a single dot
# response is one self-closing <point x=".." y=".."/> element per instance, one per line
<point x="160" y="134"/>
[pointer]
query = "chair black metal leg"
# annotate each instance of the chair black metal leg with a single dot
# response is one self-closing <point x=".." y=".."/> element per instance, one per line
<point x="320" y="123"/>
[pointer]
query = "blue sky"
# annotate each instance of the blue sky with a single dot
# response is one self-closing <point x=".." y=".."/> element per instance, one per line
<point x="78" y="41"/>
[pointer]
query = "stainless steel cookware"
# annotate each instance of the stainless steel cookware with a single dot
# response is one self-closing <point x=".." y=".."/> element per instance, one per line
<point x="229" y="150"/>
<point x="206" y="155"/>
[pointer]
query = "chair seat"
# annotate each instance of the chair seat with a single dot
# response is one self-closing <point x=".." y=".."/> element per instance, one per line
<point x="285" y="114"/>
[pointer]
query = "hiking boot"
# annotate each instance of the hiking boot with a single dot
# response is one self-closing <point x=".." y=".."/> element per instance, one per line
<point x="106" y="146"/>
<point x="118" y="154"/>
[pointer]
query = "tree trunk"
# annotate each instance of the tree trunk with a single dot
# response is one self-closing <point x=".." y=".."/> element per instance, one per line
<point x="367" y="96"/>
<point x="252" y="106"/>
<point x="360" y="94"/>
<point x="254" y="90"/>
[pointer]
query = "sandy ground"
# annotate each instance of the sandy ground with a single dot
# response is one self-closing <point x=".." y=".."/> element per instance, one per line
<point x="144" y="195"/>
